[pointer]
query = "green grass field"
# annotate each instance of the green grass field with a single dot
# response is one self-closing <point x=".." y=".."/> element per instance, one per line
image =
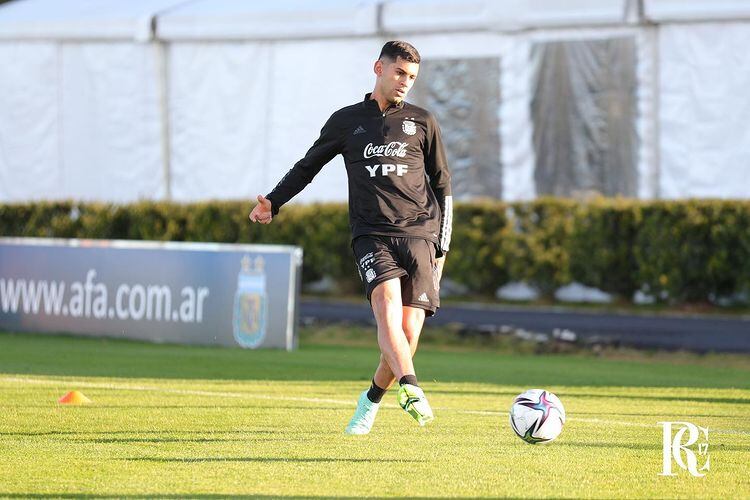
<point x="177" y="421"/>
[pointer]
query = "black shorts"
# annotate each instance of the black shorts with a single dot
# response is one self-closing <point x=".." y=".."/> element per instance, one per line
<point x="380" y="258"/>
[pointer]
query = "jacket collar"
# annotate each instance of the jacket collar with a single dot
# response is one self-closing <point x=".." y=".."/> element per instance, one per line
<point x="369" y="102"/>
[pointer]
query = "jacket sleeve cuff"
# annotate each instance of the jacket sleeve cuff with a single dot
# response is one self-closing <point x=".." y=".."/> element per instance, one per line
<point x="274" y="205"/>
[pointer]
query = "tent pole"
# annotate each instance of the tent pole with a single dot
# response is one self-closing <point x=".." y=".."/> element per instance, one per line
<point x="656" y="113"/>
<point x="162" y="72"/>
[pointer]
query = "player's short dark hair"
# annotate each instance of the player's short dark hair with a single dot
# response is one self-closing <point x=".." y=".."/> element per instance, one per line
<point x="396" y="48"/>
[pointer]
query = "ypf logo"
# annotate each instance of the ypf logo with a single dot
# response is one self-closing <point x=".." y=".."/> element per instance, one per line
<point x="677" y="447"/>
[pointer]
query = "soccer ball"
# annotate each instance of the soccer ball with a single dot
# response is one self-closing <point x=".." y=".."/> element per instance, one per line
<point x="537" y="416"/>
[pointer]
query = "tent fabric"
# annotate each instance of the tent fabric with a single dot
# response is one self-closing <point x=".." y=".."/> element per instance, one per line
<point x="661" y="11"/>
<point x="29" y="114"/>
<point x="516" y="123"/>
<point x="517" y="154"/>
<point x="80" y="19"/>
<point x="218" y="102"/>
<point x="109" y="128"/>
<point x="281" y="19"/>
<point x="79" y="121"/>
<point x="705" y="140"/>
<point x="498" y="15"/>
<point x="583" y="110"/>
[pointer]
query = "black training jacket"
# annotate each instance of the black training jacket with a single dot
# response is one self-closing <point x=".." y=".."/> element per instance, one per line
<point x="399" y="183"/>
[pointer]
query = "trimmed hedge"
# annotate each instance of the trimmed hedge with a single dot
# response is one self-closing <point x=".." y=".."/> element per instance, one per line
<point x="691" y="250"/>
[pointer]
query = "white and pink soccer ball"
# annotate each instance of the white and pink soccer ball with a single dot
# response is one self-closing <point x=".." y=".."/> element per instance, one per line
<point x="537" y="416"/>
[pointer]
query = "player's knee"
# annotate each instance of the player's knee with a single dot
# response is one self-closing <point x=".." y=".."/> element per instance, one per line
<point x="383" y="296"/>
<point x="383" y="302"/>
<point x="413" y="341"/>
<point x="412" y="328"/>
<point x="413" y="319"/>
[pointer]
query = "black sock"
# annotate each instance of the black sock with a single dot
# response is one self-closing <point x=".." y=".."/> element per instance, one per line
<point x="375" y="394"/>
<point x="408" y="379"/>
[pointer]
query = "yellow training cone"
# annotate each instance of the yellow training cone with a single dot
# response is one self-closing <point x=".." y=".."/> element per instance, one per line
<point x="74" y="398"/>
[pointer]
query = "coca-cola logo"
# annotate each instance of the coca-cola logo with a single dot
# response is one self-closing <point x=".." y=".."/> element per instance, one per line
<point x="391" y="149"/>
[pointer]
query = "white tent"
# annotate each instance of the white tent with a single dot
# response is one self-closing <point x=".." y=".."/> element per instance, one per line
<point x="79" y="100"/>
<point x="703" y="98"/>
<point x="419" y="16"/>
<point x="197" y="99"/>
<point x="666" y="11"/>
<point x="79" y="20"/>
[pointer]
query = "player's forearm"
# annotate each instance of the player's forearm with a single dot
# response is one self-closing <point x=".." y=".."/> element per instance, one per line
<point x="446" y="223"/>
<point x="322" y="151"/>
<point x="290" y="185"/>
<point x="440" y="182"/>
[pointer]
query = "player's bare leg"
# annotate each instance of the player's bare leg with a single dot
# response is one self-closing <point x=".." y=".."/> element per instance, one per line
<point x="413" y="320"/>
<point x="388" y="310"/>
<point x="395" y="344"/>
<point x="396" y="351"/>
<point x="386" y="305"/>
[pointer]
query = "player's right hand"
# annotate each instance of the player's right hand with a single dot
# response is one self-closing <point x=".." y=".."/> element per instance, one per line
<point x="262" y="211"/>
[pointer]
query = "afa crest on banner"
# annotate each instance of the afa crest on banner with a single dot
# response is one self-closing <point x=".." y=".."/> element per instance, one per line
<point x="250" y="303"/>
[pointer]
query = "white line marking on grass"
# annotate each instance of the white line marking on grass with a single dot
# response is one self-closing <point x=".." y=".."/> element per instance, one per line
<point x="189" y="392"/>
<point x="349" y="403"/>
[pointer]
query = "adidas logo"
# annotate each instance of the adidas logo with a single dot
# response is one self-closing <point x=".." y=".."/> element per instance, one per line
<point x="423" y="298"/>
<point x="360" y="130"/>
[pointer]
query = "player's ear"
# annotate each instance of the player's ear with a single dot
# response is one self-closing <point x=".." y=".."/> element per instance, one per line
<point x="378" y="68"/>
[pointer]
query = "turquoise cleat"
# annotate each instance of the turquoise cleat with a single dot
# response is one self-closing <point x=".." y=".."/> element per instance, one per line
<point x="413" y="401"/>
<point x="364" y="416"/>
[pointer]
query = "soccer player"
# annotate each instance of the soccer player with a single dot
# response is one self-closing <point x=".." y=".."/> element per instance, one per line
<point x="400" y="213"/>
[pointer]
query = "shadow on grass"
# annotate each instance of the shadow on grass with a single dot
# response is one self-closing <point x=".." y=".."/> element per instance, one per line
<point x="170" y="433"/>
<point x="195" y="495"/>
<point x="167" y="440"/>
<point x="268" y="459"/>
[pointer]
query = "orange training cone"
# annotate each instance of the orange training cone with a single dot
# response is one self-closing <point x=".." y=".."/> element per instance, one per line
<point x="74" y="398"/>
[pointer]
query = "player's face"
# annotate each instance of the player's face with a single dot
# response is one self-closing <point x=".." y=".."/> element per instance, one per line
<point x="396" y="78"/>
